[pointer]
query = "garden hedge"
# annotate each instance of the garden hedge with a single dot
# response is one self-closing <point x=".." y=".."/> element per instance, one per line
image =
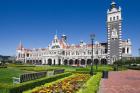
<point x="3" y="66"/>
<point x="134" y="67"/>
<point x="80" y="72"/>
<point x="19" y="88"/>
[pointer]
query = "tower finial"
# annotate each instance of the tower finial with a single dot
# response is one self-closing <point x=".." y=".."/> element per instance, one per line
<point x="56" y="32"/>
<point x="20" y="46"/>
<point x="20" y="42"/>
<point x="113" y="4"/>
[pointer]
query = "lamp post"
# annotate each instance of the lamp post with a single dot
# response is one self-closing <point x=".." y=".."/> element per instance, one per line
<point x="92" y="36"/>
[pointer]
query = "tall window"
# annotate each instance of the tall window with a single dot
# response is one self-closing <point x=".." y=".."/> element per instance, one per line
<point x="127" y="50"/>
<point x="113" y="18"/>
<point x="110" y="18"/>
<point x="117" y="17"/>
<point x="123" y="50"/>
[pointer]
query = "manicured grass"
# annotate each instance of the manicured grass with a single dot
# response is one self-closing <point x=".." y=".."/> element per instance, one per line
<point x="6" y="74"/>
<point x="13" y="70"/>
<point x="47" y="67"/>
<point x="100" y="68"/>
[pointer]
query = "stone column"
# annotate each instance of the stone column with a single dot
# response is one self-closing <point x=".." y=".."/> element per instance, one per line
<point x="125" y="50"/>
<point x="68" y="62"/>
<point x="129" y="50"/>
<point x="43" y="61"/>
<point x="25" y="57"/>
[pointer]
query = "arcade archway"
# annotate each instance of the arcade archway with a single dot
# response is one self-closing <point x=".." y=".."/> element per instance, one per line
<point x="71" y="62"/>
<point x="65" y="62"/>
<point x="104" y="61"/>
<point x="49" y="61"/>
<point x="89" y="61"/>
<point x="83" y="61"/>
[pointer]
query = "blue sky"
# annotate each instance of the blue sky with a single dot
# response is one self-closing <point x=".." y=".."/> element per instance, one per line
<point x="34" y="22"/>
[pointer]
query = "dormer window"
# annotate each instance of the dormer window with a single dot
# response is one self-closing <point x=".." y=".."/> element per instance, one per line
<point x="56" y="46"/>
<point x="56" y="41"/>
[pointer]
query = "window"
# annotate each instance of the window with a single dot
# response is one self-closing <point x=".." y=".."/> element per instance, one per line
<point x="77" y="53"/>
<point x="84" y="53"/>
<point x="117" y="17"/>
<point x="105" y="50"/>
<point x="27" y="55"/>
<point x="63" y="52"/>
<point x="123" y="50"/>
<point x="114" y="34"/>
<point x="127" y="50"/>
<point x="113" y="18"/>
<point x="96" y="52"/>
<point x="89" y="52"/>
<point x="56" y="41"/>
<point x="110" y="18"/>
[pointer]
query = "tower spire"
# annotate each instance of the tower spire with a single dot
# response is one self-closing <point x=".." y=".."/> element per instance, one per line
<point x="55" y="36"/>
<point x="20" y="46"/>
<point x="56" y="32"/>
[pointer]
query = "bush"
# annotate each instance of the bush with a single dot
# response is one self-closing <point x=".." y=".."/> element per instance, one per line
<point x="3" y="66"/>
<point x="92" y="85"/>
<point x="79" y="72"/>
<point x="19" y="88"/>
<point x="83" y="69"/>
<point x="99" y="69"/>
<point x="59" y="71"/>
<point x="20" y="65"/>
<point x="134" y="67"/>
<point x="32" y="76"/>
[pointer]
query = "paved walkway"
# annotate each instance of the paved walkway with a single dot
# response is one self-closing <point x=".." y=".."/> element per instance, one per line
<point x="121" y="82"/>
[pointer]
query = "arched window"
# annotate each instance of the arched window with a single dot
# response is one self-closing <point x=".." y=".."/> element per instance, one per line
<point x="113" y="18"/>
<point x="96" y="52"/>
<point x="123" y="50"/>
<point x="117" y="17"/>
<point x="110" y="18"/>
<point x="127" y="50"/>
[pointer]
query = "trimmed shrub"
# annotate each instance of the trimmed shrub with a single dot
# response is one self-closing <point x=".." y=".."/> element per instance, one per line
<point x="32" y="76"/>
<point x="19" y="88"/>
<point x="59" y="71"/>
<point x="20" y="65"/>
<point x="92" y="85"/>
<point x="79" y="72"/>
<point x="134" y="67"/>
<point x="83" y="69"/>
<point x="3" y="66"/>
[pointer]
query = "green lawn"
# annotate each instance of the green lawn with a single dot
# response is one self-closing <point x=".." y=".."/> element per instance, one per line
<point x="14" y="70"/>
<point x="6" y="74"/>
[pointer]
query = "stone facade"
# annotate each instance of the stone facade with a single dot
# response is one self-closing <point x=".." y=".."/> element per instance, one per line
<point x="60" y="52"/>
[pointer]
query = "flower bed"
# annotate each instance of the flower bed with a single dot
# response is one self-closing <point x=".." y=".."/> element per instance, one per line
<point x="68" y="85"/>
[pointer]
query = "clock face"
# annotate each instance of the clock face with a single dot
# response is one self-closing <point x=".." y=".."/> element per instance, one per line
<point x="114" y="33"/>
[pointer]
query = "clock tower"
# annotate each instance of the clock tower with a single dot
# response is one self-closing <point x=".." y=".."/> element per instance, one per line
<point x="114" y="31"/>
